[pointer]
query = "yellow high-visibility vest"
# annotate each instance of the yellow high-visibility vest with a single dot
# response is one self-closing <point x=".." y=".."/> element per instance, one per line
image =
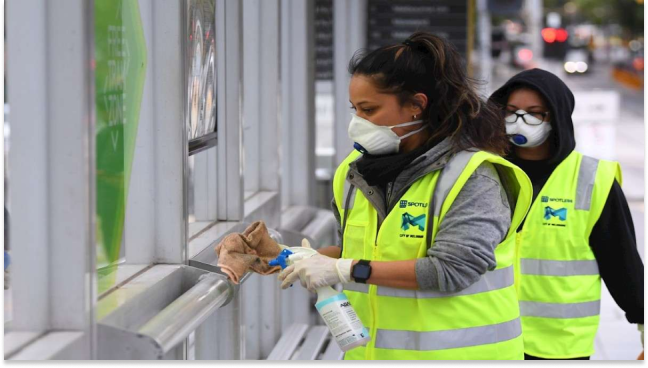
<point x="479" y="322"/>
<point x="559" y="284"/>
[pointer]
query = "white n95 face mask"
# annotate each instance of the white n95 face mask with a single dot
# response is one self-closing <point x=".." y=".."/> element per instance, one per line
<point x="527" y="135"/>
<point x="375" y="139"/>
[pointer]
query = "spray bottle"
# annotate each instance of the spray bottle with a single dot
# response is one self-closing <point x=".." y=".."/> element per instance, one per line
<point x="334" y="307"/>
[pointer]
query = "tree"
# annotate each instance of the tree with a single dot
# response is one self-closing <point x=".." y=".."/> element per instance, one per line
<point x="627" y="13"/>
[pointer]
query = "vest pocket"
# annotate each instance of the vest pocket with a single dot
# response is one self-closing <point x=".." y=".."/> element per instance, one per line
<point x="354" y="241"/>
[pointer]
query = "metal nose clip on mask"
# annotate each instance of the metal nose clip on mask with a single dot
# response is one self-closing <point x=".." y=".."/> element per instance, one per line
<point x="375" y="139"/>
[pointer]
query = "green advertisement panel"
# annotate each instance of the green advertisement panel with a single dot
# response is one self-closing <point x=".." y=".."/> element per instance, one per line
<point x="120" y="70"/>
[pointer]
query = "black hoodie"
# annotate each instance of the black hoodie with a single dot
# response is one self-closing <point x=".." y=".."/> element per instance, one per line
<point x="559" y="99"/>
<point x="613" y="239"/>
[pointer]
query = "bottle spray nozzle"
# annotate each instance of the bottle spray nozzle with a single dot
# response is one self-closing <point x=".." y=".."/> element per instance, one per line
<point x="281" y="259"/>
<point x="291" y="256"/>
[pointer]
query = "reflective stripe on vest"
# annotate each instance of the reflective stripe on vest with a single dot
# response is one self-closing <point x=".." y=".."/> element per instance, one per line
<point x="448" y="339"/>
<point x="556" y="310"/>
<point x="586" y="179"/>
<point x="357" y="287"/>
<point x="448" y="177"/>
<point x="558" y="268"/>
<point x="492" y="280"/>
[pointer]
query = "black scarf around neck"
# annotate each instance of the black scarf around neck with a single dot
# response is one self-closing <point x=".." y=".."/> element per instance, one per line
<point x="380" y="170"/>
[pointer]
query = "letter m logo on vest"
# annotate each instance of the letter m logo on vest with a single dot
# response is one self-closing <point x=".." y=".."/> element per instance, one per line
<point x="409" y="220"/>
<point x="560" y="213"/>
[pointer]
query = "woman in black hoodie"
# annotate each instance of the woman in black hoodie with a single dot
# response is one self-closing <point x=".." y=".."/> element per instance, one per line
<point x="579" y="231"/>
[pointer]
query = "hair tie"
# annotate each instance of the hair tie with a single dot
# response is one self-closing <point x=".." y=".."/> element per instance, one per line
<point x="408" y="43"/>
<point x="416" y="46"/>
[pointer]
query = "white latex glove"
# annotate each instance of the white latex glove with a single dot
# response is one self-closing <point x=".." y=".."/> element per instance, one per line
<point x="317" y="271"/>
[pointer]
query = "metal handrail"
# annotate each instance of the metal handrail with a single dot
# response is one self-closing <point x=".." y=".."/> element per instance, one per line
<point x="175" y="322"/>
<point x="192" y="309"/>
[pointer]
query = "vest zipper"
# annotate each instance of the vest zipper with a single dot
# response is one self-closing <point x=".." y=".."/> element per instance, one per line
<point x="373" y="252"/>
<point x="389" y="190"/>
<point x="387" y="196"/>
<point x="390" y="185"/>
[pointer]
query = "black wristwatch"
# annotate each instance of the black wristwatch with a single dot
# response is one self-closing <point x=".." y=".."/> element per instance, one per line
<point x="361" y="271"/>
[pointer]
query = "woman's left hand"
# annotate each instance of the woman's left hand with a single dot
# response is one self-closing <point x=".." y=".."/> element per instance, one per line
<point x="317" y="271"/>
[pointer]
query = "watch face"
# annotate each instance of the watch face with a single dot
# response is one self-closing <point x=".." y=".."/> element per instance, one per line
<point x="361" y="271"/>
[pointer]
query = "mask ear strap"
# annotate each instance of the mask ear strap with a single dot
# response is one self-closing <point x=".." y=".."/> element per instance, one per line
<point x="414" y="132"/>
<point x="406" y="124"/>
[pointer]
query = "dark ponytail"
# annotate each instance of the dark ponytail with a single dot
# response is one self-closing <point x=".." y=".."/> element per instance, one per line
<point x="428" y="64"/>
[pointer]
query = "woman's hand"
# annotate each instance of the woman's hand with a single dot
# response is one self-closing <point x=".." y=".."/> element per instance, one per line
<point x="317" y="271"/>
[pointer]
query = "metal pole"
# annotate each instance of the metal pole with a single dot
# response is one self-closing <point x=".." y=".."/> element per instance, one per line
<point x="298" y="103"/>
<point x="175" y="322"/>
<point x="485" y="59"/>
<point x="222" y="335"/>
<point x="534" y="19"/>
<point x="349" y="35"/>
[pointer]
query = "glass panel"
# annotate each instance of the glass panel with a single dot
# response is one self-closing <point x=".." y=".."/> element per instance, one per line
<point x="201" y="191"/>
<point x="201" y="78"/>
<point x="191" y="194"/>
<point x="120" y="69"/>
<point x="201" y="112"/>
<point x="8" y="311"/>
<point x="324" y="82"/>
<point x="324" y="101"/>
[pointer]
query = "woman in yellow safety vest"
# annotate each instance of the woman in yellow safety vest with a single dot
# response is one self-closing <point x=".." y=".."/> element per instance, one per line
<point x="578" y="229"/>
<point x="427" y="210"/>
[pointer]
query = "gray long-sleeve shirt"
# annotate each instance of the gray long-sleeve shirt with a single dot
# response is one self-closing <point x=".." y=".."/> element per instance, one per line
<point x="464" y="247"/>
<point x="477" y="221"/>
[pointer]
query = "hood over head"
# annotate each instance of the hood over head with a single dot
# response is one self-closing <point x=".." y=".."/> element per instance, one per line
<point x="560" y="100"/>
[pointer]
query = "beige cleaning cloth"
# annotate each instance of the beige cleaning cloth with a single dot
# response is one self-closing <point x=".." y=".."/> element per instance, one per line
<point x="250" y="250"/>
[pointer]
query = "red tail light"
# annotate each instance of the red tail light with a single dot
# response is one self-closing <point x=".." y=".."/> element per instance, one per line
<point x="549" y="35"/>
